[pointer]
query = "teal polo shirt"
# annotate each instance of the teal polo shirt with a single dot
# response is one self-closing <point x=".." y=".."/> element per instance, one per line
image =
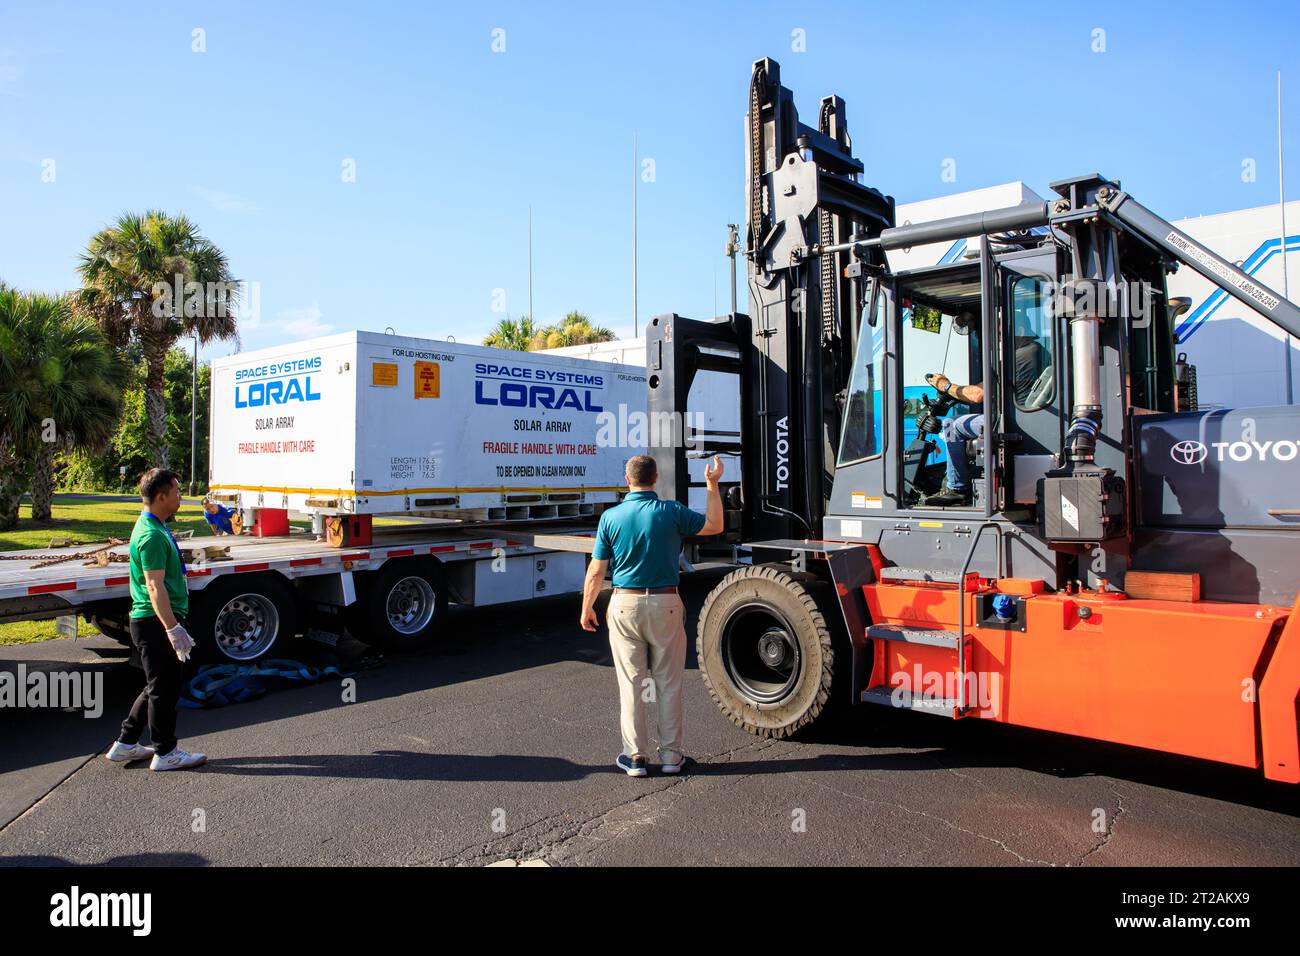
<point x="642" y="537"/>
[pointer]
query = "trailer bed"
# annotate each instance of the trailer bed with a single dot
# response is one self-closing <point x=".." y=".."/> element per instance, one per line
<point x="28" y="592"/>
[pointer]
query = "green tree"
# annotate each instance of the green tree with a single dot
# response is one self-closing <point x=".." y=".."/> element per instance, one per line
<point x="60" y="387"/>
<point x="574" y="329"/>
<point x="130" y="272"/>
<point x="515" y="334"/>
<point x="129" y="445"/>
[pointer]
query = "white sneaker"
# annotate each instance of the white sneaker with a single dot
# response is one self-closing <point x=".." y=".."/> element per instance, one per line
<point x="177" y="760"/>
<point x="683" y="764"/>
<point x="124" y="753"/>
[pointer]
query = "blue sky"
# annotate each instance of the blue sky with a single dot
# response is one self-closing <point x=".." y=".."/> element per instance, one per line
<point x="452" y="141"/>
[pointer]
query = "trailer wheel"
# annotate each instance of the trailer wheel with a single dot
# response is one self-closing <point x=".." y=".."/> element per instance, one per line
<point x="767" y="653"/>
<point x="238" y="621"/>
<point x="405" y="604"/>
<point x="112" y="627"/>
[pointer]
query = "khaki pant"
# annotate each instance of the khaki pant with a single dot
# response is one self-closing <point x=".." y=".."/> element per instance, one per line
<point x="647" y="635"/>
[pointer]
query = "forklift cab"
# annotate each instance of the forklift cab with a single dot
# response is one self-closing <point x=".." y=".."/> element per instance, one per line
<point x="900" y="434"/>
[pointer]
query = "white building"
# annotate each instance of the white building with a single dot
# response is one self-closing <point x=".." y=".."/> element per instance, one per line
<point x="1240" y="357"/>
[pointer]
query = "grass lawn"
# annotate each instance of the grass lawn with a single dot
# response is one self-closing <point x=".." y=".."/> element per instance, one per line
<point x="84" y="521"/>
<point x="29" y="632"/>
<point x="87" y="520"/>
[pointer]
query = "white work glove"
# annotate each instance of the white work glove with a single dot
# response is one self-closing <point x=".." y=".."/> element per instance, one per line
<point x="181" y="641"/>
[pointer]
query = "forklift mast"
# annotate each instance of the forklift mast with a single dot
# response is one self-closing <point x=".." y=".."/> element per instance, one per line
<point x="794" y="349"/>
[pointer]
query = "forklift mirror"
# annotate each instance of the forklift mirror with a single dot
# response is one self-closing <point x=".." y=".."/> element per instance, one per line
<point x="1178" y="305"/>
<point x="870" y="315"/>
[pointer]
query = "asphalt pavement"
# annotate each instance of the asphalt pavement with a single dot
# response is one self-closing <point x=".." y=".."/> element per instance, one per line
<point x="496" y="743"/>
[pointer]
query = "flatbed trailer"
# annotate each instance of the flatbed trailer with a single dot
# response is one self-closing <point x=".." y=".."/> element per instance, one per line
<point x="246" y="602"/>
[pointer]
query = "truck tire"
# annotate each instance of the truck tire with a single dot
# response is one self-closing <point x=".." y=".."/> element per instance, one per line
<point x="242" y="618"/>
<point x="769" y="657"/>
<point x="112" y="627"/>
<point x="404" y="605"/>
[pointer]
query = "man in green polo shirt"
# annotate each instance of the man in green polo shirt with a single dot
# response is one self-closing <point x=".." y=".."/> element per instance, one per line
<point x="641" y="539"/>
<point x="159" y="602"/>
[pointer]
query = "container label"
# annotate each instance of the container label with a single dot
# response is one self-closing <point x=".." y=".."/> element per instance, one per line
<point x="427" y="376"/>
<point x="384" y="373"/>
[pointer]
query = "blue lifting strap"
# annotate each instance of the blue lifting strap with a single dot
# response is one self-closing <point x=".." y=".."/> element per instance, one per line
<point x="216" y="685"/>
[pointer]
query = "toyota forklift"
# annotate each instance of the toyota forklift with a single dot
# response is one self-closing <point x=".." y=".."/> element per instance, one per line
<point x="1120" y="566"/>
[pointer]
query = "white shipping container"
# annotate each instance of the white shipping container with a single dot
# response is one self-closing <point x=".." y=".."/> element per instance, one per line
<point x="713" y="404"/>
<point x="370" y="423"/>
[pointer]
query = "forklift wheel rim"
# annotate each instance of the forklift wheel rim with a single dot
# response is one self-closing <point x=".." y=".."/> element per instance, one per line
<point x="743" y="669"/>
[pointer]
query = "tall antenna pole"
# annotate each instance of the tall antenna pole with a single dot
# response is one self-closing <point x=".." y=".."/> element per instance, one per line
<point x="635" y="327"/>
<point x="531" y="315"/>
<point x="733" y="246"/>
<point x="1281" y="204"/>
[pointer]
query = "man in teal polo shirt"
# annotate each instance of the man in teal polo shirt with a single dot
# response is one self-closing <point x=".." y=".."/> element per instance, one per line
<point x="159" y="602"/>
<point x="641" y="539"/>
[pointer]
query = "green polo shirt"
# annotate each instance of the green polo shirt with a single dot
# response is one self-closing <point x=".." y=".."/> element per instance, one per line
<point x="152" y="548"/>
<point x="642" y="537"/>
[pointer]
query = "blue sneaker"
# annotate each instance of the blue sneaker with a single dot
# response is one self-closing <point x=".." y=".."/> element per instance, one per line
<point x="632" y="766"/>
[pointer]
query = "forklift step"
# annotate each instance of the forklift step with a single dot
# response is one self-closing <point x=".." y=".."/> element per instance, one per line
<point x="913" y="635"/>
<point x="923" y="574"/>
<point x="884" y="696"/>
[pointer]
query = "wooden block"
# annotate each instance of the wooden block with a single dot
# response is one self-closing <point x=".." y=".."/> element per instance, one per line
<point x="1022" y="587"/>
<point x="207" y="552"/>
<point x="1163" y="585"/>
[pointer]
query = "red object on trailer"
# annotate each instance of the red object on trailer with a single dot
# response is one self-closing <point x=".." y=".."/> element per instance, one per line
<point x="271" y="523"/>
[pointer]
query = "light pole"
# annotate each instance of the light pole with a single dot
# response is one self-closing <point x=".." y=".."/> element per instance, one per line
<point x="635" y="151"/>
<point x="194" y="399"/>
<point x="733" y="246"/>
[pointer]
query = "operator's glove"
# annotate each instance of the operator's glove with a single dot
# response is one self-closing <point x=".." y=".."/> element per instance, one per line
<point x="181" y="641"/>
<point x="927" y="424"/>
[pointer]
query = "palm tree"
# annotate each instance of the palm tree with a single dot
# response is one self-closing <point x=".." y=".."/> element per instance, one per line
<point x="82" y="398"/>
<point x="59" y="385"/>
<point x="575" y="329"/>
<point x="514" y="334"/>
<point x="129" y="274"/>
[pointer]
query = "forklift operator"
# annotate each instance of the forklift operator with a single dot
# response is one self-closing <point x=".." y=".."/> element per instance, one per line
<point x="956" y="432"/>
<point x="1032" y="387"/>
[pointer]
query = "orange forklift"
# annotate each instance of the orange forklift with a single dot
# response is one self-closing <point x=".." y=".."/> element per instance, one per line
<point x="983" y="489"/>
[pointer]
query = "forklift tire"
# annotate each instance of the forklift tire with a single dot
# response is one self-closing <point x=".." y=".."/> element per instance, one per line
<point x="768" y="655"/>
<point x="242" y="618"/>
<point x="404" y="605"/>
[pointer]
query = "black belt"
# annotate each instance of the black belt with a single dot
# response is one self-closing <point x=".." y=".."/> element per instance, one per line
<point x="668" y="590"/>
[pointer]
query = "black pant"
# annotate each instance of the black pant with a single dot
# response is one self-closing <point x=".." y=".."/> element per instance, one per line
<point x="162" y="688"/>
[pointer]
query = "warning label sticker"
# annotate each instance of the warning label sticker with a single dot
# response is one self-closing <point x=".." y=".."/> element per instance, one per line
<point x="1204" y="258"/>
<point x="427" y="380"/>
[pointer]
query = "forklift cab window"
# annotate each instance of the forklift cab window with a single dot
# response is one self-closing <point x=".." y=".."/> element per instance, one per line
<point x="863" y="419"/>
<point x="1034" y="385"/>
<point x="942" y="445"/>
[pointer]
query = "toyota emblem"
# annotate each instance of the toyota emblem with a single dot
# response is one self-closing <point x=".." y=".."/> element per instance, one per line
<point x="1189" y="452"/>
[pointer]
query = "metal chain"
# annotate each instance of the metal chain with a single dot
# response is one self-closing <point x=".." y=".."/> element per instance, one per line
<point x="756" y="225"/>
<point x="73" y="556"/>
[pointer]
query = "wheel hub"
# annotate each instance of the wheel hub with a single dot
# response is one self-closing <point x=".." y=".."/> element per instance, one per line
<point x="773" y="647"/>
<point x="411" y="604"/>
<point x="246" y="626"/>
